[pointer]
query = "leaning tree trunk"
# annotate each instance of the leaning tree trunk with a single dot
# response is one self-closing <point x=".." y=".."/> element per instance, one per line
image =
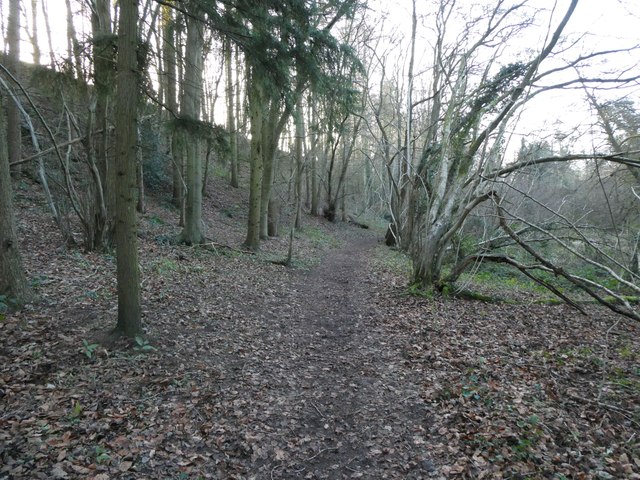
<point x="126" y="239"/>
<point x="13" y="282"/>
<point x="193" y="233"/>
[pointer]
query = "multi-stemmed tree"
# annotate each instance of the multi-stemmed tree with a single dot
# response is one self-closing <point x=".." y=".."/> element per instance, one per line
<point x="447" y="161"/>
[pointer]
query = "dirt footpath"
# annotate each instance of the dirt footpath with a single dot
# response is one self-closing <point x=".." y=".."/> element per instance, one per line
<point x="332" y="399"/>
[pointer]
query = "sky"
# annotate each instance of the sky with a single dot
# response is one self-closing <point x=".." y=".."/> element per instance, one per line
<point x="604" y="24"/>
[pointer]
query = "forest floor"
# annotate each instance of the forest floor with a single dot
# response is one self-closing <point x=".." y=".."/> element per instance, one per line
<point x="328" y="369"/>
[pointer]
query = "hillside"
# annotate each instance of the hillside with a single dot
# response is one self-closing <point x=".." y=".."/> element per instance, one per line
<point x="327" y="369"/>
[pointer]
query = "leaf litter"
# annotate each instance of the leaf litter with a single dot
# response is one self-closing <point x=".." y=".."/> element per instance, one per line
<point x="328" y="370"/>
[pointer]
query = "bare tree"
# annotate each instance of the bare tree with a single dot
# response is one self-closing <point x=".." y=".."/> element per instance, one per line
<point x="231" y="120"/>
<point x="461" y="119"/>
<point x="33" y="35"/>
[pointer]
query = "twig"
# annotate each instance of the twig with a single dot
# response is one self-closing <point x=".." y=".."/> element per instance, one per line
<point x="626" y="413"/>
<point x="328" y="449"/>
<point x="222" y="245"/>
<point x="274" y="469"/>
<point x="318" y="410"/>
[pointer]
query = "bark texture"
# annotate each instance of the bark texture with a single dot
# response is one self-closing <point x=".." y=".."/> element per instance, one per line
<point x="231" y="121"/>
<point x="256" y="106"/>
<point x="14" y="140"/>
<point x="192" y="232"/>
<point x="13" y="281"/>
<point x="128" y="274"/>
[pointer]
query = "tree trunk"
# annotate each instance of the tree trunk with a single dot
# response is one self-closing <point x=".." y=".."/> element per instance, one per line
<point x="428" y="256"/>
<point x="103" y="74"/>
<point x="334" y="189"/>
<point x="13" y="282"/>
<point x="299" y="120"/>
<point x="73" y="47"/>
<point x="192" y="232"/>
<point x="170" y="78"/>
<point x="140" y="204"/>
<point x="241" y="112"/>
<point x="256" y="108"/>
<point x="47" y="27"/>
<point x="35" y="46"/>
<point x="273" y="224"/>
<point x="14" y="139"/>
<point x="126" y="239"/>
<point x="315" y="191"/>
<point x="269" y="149"/>
<point x="231" y="124"/>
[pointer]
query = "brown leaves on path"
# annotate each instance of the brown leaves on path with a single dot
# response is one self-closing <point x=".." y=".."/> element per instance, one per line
<point x="253" y="370"/>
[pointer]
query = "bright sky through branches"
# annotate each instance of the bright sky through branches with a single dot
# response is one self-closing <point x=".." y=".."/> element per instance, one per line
<point x="596" y="25"/>
<point x="563" y="116"/>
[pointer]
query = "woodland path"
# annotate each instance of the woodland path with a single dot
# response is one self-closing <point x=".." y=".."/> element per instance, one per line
<point x="259" y="371"/>
<point x="330" y="396"/>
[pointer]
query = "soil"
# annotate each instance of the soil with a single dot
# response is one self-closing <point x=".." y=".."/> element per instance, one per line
<point x="336" y="380"/>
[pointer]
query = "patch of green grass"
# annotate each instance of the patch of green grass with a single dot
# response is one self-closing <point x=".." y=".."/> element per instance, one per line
<point x="394" y="261"/>
<point x="597" y="275"/>
<point x="625" y="379"/>
<point x="627" y="352"/>
<point x="375" y="222"/>
<point x="4" y="304"/>
<point x="156" y="220"/>
<point x="37" y="282"/>
<point x="318" y="237"/>
<point x="629" y="298"/>
<point x="417" y="290"/>
<point x="165" y="265"/>
<point x="502" y="277"/>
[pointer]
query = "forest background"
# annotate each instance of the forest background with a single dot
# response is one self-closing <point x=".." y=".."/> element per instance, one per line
<point x="494" y="145"/>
